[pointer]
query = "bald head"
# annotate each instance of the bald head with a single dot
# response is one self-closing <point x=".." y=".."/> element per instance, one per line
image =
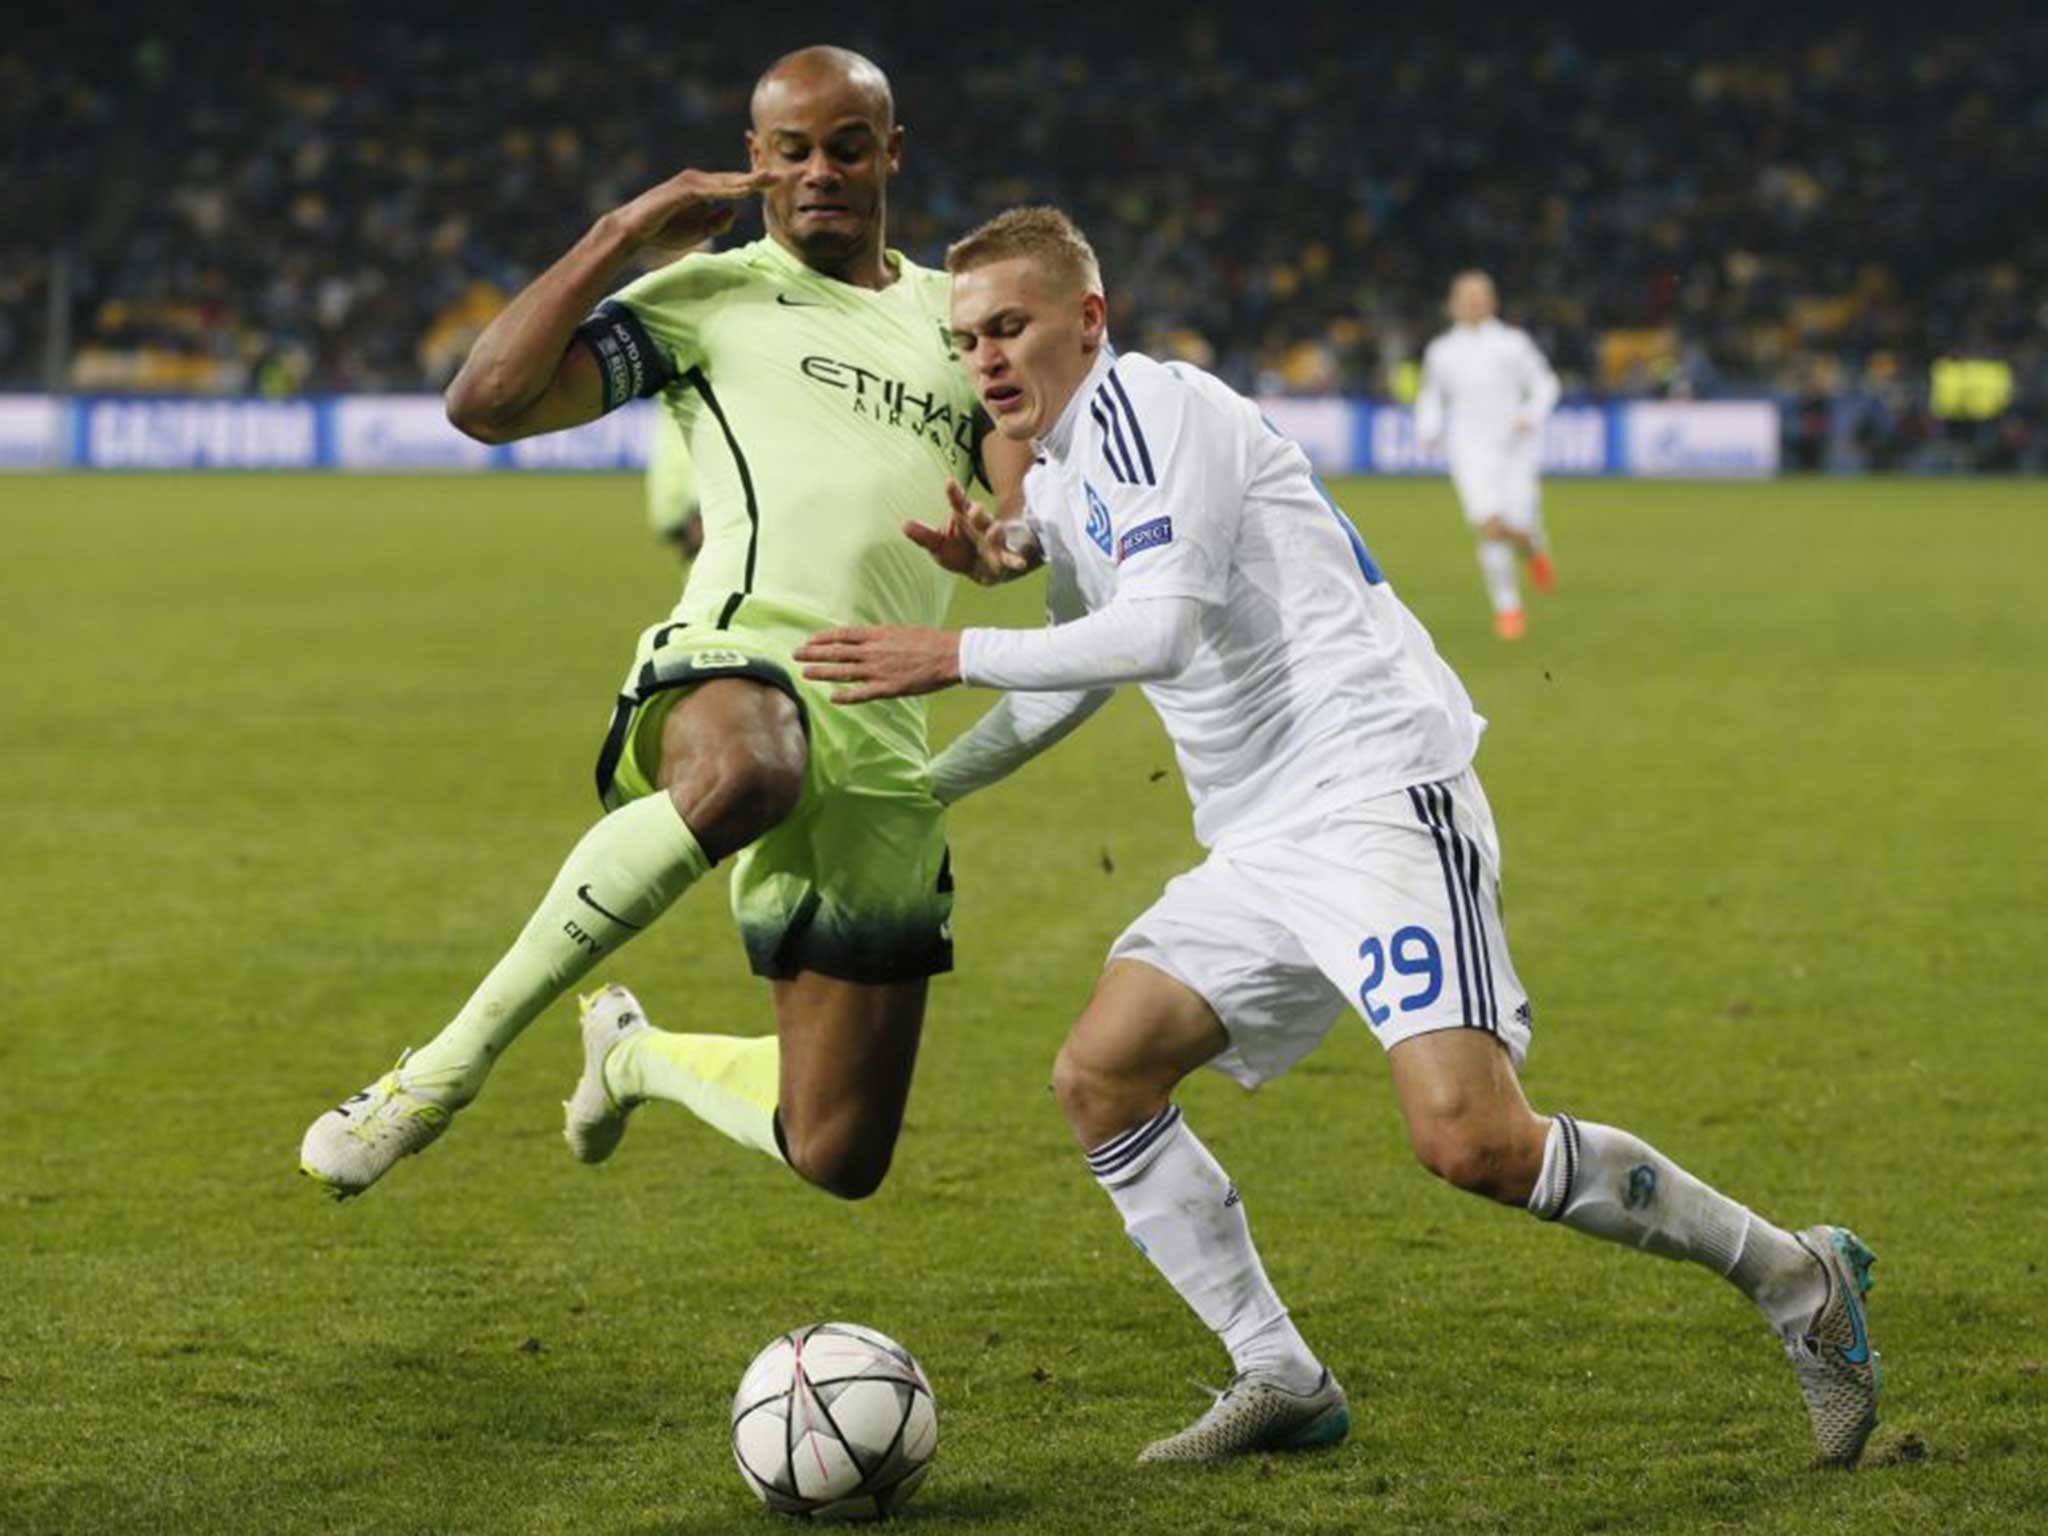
<point x="1472" y="297"/>
<point x="825" y="125"/>
<point x="849" y="78"/>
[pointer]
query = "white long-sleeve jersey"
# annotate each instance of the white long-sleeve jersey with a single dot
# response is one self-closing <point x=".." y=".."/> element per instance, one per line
<point x="1022" y="724"/>
<point x="1486" y="378"/>
<point x="1216" y="571"/>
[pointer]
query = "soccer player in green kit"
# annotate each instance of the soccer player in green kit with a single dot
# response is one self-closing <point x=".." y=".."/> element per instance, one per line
<point x="813" y="374"/>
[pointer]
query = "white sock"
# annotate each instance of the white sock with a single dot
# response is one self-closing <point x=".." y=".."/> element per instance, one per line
<point x="1610" y="1184"/>
<point x="1184" y="1214"/>
<point x="618" y="879"/>
<point x="1497" y="568"/>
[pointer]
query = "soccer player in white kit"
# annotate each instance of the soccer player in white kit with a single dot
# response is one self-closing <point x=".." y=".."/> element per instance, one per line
<point x="1497" y="391"/>
<point x="1352" y="862"/>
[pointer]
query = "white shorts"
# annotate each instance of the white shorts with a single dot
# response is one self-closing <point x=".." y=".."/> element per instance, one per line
<point x="1499" y="483"/>
<point x="1391" y="908"/>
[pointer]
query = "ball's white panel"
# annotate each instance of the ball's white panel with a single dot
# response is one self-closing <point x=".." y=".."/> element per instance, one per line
<point x="921" y="1429"/>
<point x="830" y="1356"/>
<point x="868" y="1414"/>
<point x="886" y="1346"/>
<point x="760" y="1442"/>
<point x="906" y="1365"/>
<point x="767" y="1375"/>
<point x="878" y="1340"/>
<point x="821" y="1465"/>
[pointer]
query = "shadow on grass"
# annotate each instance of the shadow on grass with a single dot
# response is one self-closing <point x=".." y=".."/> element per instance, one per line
<point x="935" y="1509"/>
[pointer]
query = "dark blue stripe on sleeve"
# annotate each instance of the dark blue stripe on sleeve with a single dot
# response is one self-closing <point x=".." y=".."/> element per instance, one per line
<point x="1116" y="430"/>
<point x="1130" y="415"/>
<point x="1118" y="468"/>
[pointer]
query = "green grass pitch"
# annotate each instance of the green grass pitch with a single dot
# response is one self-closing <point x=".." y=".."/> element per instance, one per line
<point x="286" y="761"/>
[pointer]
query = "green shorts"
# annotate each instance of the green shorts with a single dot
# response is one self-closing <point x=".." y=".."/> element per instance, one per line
<point x="856" y="882"/>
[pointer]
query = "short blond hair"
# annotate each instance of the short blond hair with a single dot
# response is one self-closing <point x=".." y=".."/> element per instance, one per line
<point x="1044" y="234"/>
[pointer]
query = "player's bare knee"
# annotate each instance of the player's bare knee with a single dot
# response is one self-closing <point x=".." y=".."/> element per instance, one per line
<point x="1073" y="1083"/>
<point x="1487" y="1156"/>
<point x="1459" y="1159"/>
<point x="1481" y="1156"/>
<point x="855" y="1174"/>
<point x="1098" y="1102"/>
<point x="848" y="1166"/>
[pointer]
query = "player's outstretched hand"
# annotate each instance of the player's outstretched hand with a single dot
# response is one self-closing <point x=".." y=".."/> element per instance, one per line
<point x="881" y="662"/>
<point x="976" y="544"/>
<point x="689" y="208"/>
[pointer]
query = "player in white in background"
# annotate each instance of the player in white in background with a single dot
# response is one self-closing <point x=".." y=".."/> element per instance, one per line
<point x="1352" y="860"/>
<point x="1498" y="391"/>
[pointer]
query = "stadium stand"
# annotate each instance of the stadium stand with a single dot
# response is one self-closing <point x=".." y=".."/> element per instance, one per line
<point x="276" y="200"/>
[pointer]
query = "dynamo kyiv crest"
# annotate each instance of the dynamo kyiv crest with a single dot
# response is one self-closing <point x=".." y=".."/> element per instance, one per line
<point x="1098" y="519"/>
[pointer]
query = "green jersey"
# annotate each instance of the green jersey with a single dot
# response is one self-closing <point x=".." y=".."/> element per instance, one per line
<point x="820" y="416"/>
<point x="671" y="480"/>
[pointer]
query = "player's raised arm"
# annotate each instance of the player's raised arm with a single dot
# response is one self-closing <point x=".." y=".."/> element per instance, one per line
<point x="527" y="374"/>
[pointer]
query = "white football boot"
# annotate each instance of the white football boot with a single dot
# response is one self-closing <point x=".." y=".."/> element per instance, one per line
<point x="1256" y="1413"/>
<point x="592" y="1119"/>
<point x="1838" y="1371"/>
<point x="351" y="1147"/>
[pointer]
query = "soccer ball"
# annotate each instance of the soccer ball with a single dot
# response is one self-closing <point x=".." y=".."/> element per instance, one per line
<point x="834" y="1422"/>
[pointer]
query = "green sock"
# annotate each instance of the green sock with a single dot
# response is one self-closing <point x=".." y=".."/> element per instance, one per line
<point x="730" y="1082"/>
<point x="621" y="877"/>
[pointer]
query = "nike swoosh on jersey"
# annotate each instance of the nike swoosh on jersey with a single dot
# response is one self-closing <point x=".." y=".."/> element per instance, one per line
<point x="783" y="298"/>
<point x="583" y="895"/>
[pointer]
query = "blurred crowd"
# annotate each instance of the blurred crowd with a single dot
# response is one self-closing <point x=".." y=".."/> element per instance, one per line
<point x="318" y="197"/>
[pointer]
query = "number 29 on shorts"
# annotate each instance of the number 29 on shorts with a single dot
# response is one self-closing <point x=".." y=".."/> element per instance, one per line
<point x="1413" y="956"/>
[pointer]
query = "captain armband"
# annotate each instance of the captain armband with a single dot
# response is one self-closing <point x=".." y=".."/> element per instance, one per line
<point x="629" y="361"/>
